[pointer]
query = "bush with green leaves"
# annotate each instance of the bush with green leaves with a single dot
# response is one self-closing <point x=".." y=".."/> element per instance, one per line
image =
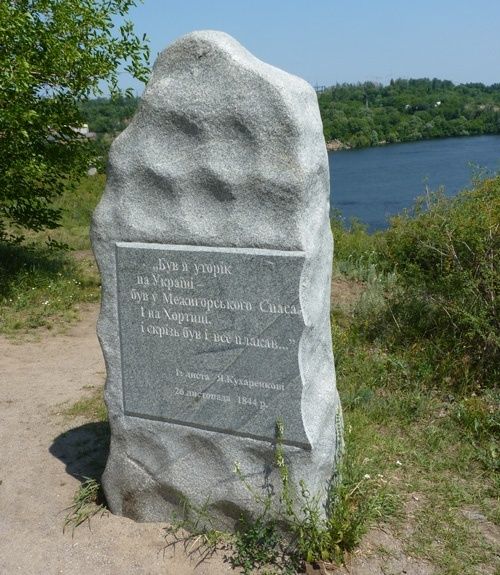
<point x="54" y="54"/>
<point x="356" y="251"/>
<point x="445" y="253"/>
<point x="432" y="282"/>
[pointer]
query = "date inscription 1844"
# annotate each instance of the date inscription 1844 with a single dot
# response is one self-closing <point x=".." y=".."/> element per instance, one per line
<point x="210" y="337"/>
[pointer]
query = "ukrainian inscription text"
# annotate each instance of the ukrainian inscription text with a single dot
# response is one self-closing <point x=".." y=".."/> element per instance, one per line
<point x="215" y="332"/>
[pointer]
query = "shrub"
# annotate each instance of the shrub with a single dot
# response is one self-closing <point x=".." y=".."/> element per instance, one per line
<point x="356" y="251"/>
<point x="445" y="252"/>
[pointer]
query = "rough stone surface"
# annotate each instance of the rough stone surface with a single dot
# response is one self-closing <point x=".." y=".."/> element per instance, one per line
<point x="225" y="154"/>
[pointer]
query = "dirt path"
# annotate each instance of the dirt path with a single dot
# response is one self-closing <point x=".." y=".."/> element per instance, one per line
<point x="44" y="456"/>
<point x="38" y="468"/>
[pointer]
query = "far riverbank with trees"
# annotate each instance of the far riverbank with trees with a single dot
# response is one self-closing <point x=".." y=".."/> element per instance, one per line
<point x="365" y="114"/>
<point x="369" y="114"/>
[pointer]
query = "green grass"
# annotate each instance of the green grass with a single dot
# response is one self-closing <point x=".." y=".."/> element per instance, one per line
<point x="92" y="407"/>
<point x="77" y="209"/>
<point x="43" y="287"/>
<point x="86" y="504"/>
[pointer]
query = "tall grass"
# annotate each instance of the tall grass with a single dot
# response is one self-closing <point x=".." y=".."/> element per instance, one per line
<point x="435" y="278"/>
<point x="446" y="254"/>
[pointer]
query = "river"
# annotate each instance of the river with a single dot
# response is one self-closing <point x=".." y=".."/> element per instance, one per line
<point x="373" y="183"/>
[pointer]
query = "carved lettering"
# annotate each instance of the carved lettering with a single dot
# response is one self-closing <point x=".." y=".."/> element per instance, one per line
<point x="269" y="307"/>
<point x="210" y="330"/>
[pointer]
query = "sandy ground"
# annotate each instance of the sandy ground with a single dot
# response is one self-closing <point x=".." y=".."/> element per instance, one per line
<point x="44" y="456"/>
<point x="41" y="465"/>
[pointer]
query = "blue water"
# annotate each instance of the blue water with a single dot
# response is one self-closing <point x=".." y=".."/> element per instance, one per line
<point x="374" y="183"/>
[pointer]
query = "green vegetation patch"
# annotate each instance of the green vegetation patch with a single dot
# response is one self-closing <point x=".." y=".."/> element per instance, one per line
<point x="417" y="374"/>
<point x="433" y="280"/>
<point x="92" y="407"/>
<point x="87" y="503"/>
<point x="446" y="253"/>
<point x="369" y="114"/>
<point x="109" y="115"/>
<point x="77" y="209"/>
<point x="40" y="287"/>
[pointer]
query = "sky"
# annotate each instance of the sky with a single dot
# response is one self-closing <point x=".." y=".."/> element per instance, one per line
<point x="330" y="41"/>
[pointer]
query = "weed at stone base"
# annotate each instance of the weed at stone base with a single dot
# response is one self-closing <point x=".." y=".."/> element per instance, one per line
<point x="86" y="504"/>
<point x="355" y="501"/>
<point x="256" y="545"/>
<point x="194" y="530"/>
<point x="293" y="531"/>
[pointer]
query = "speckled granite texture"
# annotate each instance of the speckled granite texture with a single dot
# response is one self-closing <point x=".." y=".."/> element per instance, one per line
<point x="224" y="151"/>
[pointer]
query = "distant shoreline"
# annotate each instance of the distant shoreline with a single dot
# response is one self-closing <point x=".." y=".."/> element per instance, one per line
<point x="338" y="145"/>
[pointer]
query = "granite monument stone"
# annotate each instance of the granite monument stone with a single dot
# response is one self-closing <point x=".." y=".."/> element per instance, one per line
<point x="215" y="251"/>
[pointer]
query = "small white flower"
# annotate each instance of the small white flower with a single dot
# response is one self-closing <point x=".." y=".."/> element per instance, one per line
<point x="366" y="476"/>
<point x="45" y="302"/>
<point x="398" y="462"/>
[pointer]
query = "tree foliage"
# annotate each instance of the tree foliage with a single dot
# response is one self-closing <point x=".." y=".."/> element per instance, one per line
<point x="109" y="117"/>
<point x="368" y="114"/>
<point x="54" y="55"/>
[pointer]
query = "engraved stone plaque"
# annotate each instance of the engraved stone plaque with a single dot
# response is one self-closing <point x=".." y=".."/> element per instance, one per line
<point x="210" y="337"/>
